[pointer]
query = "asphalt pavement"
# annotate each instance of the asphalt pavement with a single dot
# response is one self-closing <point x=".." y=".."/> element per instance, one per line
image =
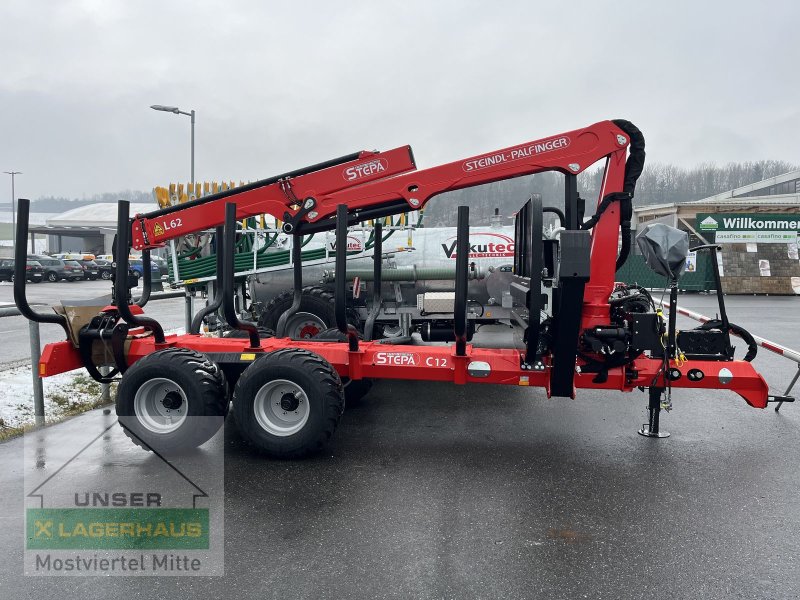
<point x="438" y="491"/>
<point x="14" y="332"/>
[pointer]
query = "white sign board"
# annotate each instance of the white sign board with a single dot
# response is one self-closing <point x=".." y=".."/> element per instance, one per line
<point x="756" y="237"/>
<point x="691" y="262"/>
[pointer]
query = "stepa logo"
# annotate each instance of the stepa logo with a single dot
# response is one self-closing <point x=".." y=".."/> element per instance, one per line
<point x="367" y="169"/>
<point x="709" y="224"/>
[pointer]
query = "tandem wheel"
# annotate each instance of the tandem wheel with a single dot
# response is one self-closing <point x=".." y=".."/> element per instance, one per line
<point x="172" y="399"/>
<point x="288" y="403"/>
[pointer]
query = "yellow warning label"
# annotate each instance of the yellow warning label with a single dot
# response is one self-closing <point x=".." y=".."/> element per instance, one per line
<point x="248" y="356"/>
<point x="524" y="380"/>
<point x="158" y="230"/>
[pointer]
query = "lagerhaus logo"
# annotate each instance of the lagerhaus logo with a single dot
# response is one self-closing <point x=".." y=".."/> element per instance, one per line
<point x="709" y="224"/>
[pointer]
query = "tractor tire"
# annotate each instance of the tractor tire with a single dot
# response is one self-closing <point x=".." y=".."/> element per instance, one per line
<point x="316" y="313"/>
<point x="171" y="400"/>
<point x="354" y="390"/>
<point x="288" y="403"/>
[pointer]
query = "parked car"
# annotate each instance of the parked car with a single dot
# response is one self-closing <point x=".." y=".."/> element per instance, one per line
<point x="137" y="265"/>
<point x="33" y="270"/>
<point x="75" y="256"/>
<point x="75" y="270"/>
<point x="105" y="267"/>
<point x="162" y="264"/>
<point x="91" y="270"/>
<point x="54" y="269"/>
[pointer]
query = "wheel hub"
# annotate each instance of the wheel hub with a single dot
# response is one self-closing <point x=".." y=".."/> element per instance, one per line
<point x="281" y="407"/>
<point x="172" y="400"/>
<point x="304" y="325"/>
<point x="289" y="402"/>
<point x="160" y="405"/>
<point x="308" y="332"/>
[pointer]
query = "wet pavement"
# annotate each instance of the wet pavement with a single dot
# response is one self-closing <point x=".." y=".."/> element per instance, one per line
<point x="435" y="491"/>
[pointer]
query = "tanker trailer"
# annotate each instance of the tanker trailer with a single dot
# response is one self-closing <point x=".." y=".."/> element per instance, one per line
<point x="417" y="284"/>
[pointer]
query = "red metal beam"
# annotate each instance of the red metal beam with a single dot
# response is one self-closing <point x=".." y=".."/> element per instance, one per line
<point x="439" y="363"/>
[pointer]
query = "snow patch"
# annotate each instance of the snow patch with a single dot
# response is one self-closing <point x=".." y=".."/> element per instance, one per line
<point x="64" y="394"/>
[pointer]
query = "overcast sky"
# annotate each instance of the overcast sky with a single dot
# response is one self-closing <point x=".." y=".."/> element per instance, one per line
<point x="277" y="86"/>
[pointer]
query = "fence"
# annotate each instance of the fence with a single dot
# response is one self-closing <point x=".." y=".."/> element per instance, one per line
<point x="636" y="271"/>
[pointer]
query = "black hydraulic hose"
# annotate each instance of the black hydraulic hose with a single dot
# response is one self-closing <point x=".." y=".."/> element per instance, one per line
<point x="213" y="307"/>
<point x="635" y="163"/>
<point x="625" y="246"/>
<point x="254" y="185"/>
<point x="389" y="208"/>
<point x="122" y="251"/>
<point x="147" y="279"/>
<point x="633" y="169"/>
<point x="752" y="346"/>
<point x="20" y="280"/>
<point x="228" y="285"/>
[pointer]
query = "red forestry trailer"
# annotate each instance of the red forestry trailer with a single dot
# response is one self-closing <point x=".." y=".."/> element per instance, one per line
<point x="580" y="328"/>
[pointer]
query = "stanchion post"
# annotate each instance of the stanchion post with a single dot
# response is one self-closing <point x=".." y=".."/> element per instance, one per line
<point x="189" y="310"/>
<point x="38" y="391"/>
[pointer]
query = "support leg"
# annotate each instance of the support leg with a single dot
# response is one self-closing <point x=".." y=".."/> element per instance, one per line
<point x="789" y="389"/>
<point x="651" y="429"/>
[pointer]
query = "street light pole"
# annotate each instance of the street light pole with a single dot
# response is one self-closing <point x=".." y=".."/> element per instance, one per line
<point x="192" y="115"/>
<point x="177" y="111"/>
<point x="13" y="207"/>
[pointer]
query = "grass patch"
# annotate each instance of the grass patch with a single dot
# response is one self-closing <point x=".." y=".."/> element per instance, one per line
<point x="7" y="432"/>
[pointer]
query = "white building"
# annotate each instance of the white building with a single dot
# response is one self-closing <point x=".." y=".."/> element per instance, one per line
<point x="88" y="228"/>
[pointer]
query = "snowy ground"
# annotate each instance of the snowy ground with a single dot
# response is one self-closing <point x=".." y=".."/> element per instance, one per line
<point x="64" y="395"/>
